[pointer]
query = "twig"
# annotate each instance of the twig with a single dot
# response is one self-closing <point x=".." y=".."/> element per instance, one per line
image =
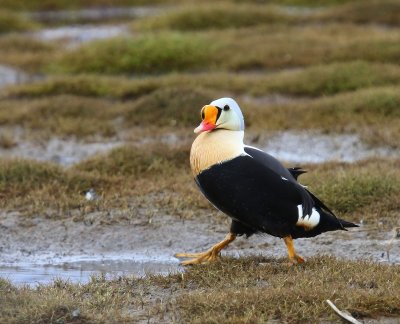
<point x="343" y="314"/>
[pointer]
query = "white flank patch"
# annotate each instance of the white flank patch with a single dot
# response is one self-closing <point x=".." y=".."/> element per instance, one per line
<point x="308" y="220"/>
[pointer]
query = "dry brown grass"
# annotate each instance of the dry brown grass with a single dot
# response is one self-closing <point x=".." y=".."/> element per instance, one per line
<point x="363" y="112"/>
<point x="252" y="289"/>
<point x="258" y="289"/>
<point x="158" y="175"/>
<point x="14" y="22"/>
<point x="144" y="54"/>
<point x="169" y="106"/>
<point x="256" y="48"/>
<point x="367" y="191"/>
<point x="237" y="14"/>
<point x="62" y="116"/>
<point x="326" y="79"/>
<point x="25" y="52"/>
<point x="220" y="15"/>
<point x="368" y="11"/>
<point x="281" y="47"/>
<point x="7" y="140"/>
<point x="84" y="117"/>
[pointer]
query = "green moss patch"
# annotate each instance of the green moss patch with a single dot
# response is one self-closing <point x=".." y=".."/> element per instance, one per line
<point x="217" y="16"/>
<point x="144" y="54"/>
<point x="14" y="22"/>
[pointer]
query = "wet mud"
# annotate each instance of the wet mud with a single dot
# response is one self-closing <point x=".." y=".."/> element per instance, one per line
<point x="295" y="147"/>
<point x="56" y="150"/>
<point x="37" y="250"/>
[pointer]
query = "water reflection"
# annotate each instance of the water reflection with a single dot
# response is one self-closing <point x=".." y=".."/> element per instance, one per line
<point x="81" y="272"/>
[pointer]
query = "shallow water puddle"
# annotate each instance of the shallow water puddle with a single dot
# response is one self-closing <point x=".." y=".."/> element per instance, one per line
<point x="95" y="14"/>
<point x="78" y="34"/>
<point x="80" y="272"/>
<point x="9" y="75"/>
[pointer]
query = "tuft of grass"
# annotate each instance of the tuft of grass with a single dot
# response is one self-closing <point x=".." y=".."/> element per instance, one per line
<point x="129" y="161"/>
<point x="363" y="112"/>
<point x="369" y="190"/>
<point x="144" y="54"/>
<point x="259" y="289"/>
<point x="312" y="81"/>
<point x="36" y="187"/>
<point x="228" y="50"/>
<point x="7" y="140"/>
<point x="62" y="116"/>
<point x="83" y="117"/>
<point x="170" y="106"/>
<point x="368" y="11"/>
<point x="25" y="52"/>
<point x="86" y="85"/>
<point x="216" y="16"/>
<point x="329" y="79"/>
<point x="14" y="22"/>
<point x="21" y="174"/>
<point x="63" y="302"/>
<point x="306" y="45"/>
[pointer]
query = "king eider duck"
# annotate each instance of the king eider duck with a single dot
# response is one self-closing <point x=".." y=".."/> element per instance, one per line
<point x="253" y="188"/>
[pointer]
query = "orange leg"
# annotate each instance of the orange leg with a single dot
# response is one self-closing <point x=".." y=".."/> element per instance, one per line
<point x="210" y="255"/>
<point x="293" y="257"/>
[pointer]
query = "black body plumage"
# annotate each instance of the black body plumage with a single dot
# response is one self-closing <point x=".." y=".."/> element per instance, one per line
<point x="261" y="195"/>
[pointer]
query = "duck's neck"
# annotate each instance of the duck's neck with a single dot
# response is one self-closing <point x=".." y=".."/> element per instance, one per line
<point x="214" y="147"/>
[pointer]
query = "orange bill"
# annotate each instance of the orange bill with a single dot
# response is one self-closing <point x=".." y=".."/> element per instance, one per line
<point x="209" y="114"/>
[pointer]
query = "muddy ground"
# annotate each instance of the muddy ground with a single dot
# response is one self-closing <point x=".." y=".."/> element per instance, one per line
<point x="145" y="245"/>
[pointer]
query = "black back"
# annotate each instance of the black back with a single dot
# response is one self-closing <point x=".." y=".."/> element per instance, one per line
<point x="290" y="175"/>
<point x="253" y="195"/>
<point x="261" y="195"/>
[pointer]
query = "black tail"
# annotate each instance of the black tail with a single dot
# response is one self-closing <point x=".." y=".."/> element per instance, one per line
<point x="296" y="171"/>
<point x="346" y="224"/>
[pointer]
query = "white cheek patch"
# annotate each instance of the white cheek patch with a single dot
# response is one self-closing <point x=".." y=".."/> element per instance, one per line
<point x="308" y="221"/>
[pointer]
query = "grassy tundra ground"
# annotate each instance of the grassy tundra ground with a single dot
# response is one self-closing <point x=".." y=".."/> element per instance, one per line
<point x="331" y="69"/>
<point x="252" y="289"/>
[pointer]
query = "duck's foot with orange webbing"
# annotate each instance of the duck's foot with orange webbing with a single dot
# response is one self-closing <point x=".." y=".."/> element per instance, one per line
<point x="210" y="255"/>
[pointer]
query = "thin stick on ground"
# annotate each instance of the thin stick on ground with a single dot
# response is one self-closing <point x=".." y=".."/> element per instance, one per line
<point x="343" y="314"/>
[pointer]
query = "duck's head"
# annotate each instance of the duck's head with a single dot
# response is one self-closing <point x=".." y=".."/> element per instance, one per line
<point x="222" y="113"/>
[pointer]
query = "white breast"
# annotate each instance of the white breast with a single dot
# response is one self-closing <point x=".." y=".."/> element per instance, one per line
<point x="210" y="148"/>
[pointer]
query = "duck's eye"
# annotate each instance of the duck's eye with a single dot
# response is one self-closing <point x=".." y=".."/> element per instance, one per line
<point x="202" y="114"/>
<point x="226" y="108"/>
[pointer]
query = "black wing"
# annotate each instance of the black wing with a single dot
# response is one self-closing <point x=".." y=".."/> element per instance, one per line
<point x="253" y="194"/>
<point x="289" y="174"/>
